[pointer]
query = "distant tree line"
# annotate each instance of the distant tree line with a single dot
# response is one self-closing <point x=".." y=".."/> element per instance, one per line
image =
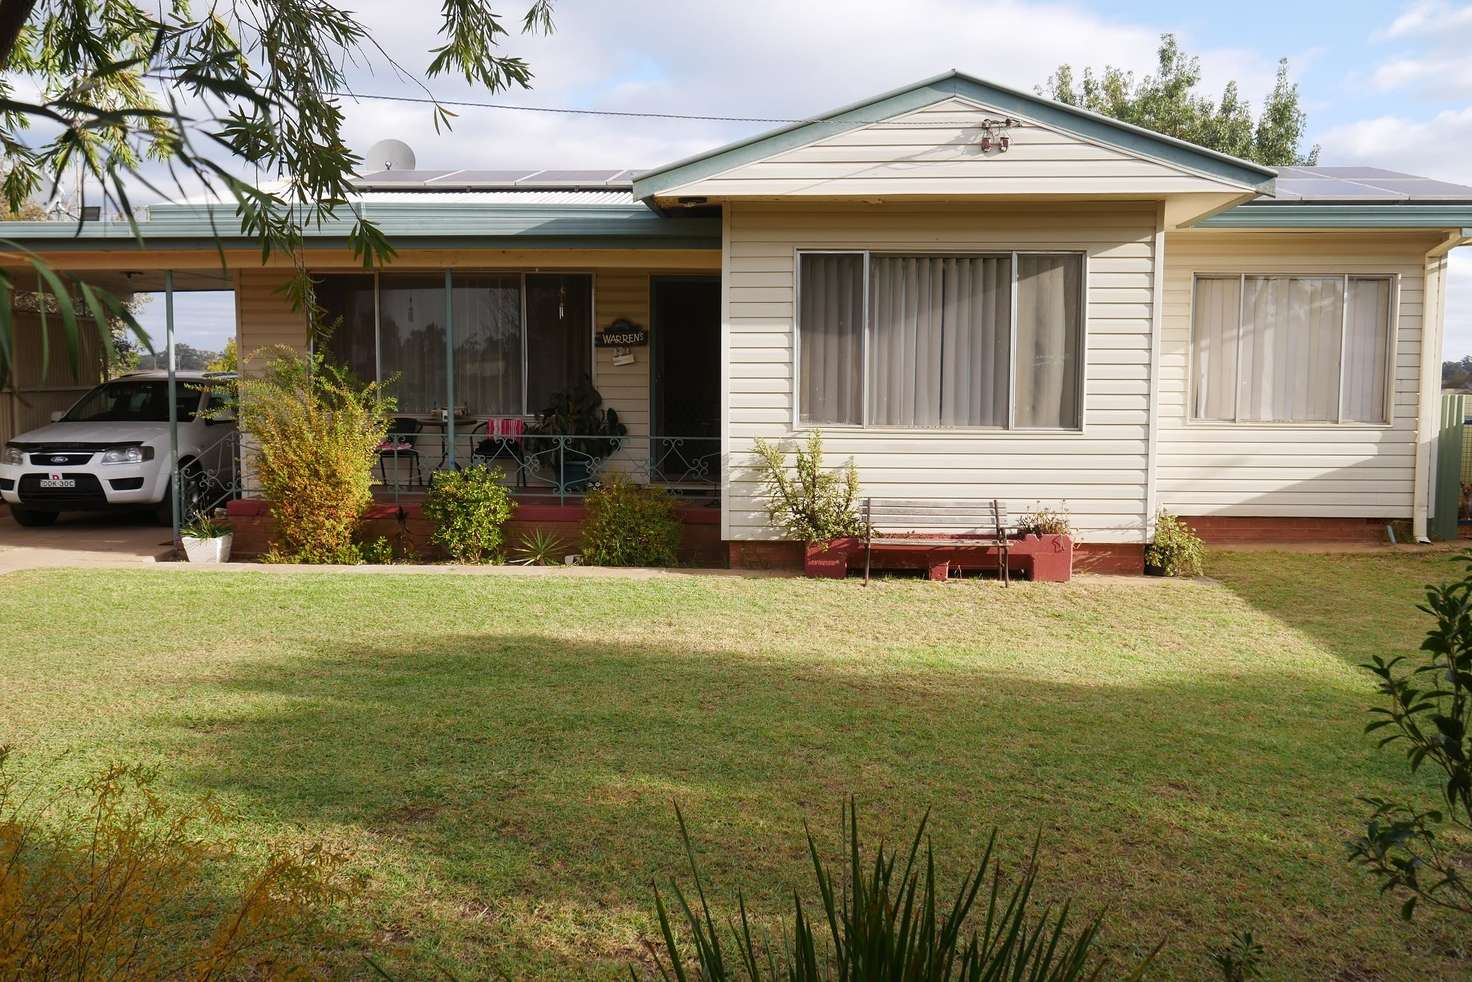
<point x="1457" y="374"/>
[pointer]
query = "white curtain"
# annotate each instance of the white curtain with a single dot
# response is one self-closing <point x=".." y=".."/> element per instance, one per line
<point x="938" y="352"/>
<point x="488" y="373"/>
<point x="412" y="340"/>
<point x="1048" y="341"/>
<point x="830" y="329"/>
<point x="1291" y="329"/>
<point x="1217" y="317"/>
<point x="1366" y="347"/>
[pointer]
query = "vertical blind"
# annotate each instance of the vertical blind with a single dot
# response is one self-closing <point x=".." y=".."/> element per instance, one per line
<point x="512" y="352"/>
<point x="938" y="350"/>
<point x="1291" y="348"/>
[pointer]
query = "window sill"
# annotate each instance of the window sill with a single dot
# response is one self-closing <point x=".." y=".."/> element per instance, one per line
<point x="931" y="431"/>
<point x="1212" y="424"/>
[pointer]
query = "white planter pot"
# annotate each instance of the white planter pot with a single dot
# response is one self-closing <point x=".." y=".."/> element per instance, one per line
<point x="213" y="550"/>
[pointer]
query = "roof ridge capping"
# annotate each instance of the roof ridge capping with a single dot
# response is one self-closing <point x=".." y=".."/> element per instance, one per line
<point x="1049" y="112"/>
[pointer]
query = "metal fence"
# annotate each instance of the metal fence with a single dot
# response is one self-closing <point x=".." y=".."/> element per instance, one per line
<point x="555" y="466"/>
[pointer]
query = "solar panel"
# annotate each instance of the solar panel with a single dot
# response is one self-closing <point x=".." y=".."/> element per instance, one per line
<point x="1325" y="188"/>
<point x="571" y="177"/>
<point x="1351" y="173"/>
<point x="483" y="177"/>
<point x="1425" y="187"/>
<point x="402" y="178"/>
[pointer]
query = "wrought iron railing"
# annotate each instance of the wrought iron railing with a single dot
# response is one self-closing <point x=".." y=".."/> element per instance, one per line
<point x="554" y="465"/>
<point x="551" y="465"/>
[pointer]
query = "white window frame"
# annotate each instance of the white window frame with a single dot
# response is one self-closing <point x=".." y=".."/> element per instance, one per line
<point x="1392" y="332"/>
<point x="1006" y="428"/>
<point x="527" y="411"/>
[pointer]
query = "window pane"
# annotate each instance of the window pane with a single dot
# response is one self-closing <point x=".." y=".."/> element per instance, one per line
<point x="907" y="304"/>
<point x="830" y="331"/>
<point x="412" y="339"/>
<point x="1214" y="348"/>
<point x="1291" y="328"/>
<point x="487" y="310"/>
<point x="1049" y="331"/>
<point x="345" y="330"/>
<point x="1366" y="350"/>
<point x="559" y="324"/>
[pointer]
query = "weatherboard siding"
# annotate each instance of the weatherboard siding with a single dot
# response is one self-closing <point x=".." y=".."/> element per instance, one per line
<point x="935" y="151"/>
<point x="1097" y="474"/>
<point x="1289" y="470"/>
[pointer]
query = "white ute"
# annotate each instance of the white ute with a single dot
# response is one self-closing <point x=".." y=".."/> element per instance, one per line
<point x="111" y="450"/>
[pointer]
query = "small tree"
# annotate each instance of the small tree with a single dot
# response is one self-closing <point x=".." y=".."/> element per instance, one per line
<point x="811" y="504"/>
<point x="1430" y="713"/>
<point x="1167" y="102"/>
<point x="469" y="509"/>
<point x="316" y="432"/>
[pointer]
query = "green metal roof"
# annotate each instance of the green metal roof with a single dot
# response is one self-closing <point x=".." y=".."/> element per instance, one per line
<point x="1331" y="215"/>
<point x="1070" y="119"/>
<point x="438" y="219"/>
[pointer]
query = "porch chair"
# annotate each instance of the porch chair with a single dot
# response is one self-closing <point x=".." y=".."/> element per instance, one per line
<point x="502" y="437"/>
<point x="402" y="441"/>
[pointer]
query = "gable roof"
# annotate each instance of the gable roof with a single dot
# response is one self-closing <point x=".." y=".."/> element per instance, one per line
<point x="1069" y="119"/>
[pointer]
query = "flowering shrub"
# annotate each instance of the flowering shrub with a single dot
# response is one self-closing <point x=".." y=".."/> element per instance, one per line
<point x="811" y="504"/>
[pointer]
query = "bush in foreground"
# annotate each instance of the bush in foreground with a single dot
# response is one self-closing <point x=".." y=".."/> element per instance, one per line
<point x="884" y="922"/>
<point x="469" y="509"/>
<point x="109" y="882"/>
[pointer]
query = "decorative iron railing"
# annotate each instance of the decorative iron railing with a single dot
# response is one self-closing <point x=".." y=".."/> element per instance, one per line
<point x="552" y="465"/>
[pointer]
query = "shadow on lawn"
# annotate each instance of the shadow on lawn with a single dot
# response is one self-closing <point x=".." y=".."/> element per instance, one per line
<point x="526" y="771"/>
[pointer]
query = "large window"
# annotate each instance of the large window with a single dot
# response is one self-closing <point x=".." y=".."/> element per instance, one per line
<point x="941" y="341"/>
<point x="1291" y="349"/>
<point x="518" y="337"/>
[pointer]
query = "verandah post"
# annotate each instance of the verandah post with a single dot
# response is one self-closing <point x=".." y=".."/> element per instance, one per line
<point x="449" y="371"/>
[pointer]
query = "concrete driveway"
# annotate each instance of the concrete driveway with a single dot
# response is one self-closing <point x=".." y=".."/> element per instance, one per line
<point x="82" y="539"/>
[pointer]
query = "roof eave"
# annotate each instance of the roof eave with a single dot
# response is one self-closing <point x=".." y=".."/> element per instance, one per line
<point x="1334" y="214"/>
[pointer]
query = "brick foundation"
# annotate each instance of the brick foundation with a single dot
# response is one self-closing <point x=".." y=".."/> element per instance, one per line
<point x="1109" y="557"/>
<point x="406" y="527"/>
<point x="1234" y="529"/>
<point x="765" y="555"/>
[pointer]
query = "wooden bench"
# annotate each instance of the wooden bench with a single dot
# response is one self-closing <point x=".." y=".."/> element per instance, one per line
<point x="937" y="528"/>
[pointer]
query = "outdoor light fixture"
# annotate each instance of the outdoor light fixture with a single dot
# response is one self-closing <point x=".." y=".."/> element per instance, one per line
<point x="994" y="134"/>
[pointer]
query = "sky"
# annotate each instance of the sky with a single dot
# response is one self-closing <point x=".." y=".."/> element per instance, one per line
<point x="1386" y="85"/>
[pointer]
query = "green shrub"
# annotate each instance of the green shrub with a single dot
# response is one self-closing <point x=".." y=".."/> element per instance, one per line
<point x="1418" y="850"/>
<point x="630" y="524"/>
<point x="811" y="504"/>
<point x="1045" y="521"/>
<point x="315" y="431"/>
<point x="469" y="509"/>
<point x="1177" y="549"/>
<point x="879" y="925"/>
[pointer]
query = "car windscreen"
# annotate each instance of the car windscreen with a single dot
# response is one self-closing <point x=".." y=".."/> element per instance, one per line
<point x="134" y="401"/>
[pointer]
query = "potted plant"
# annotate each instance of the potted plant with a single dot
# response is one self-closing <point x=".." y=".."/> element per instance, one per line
<point x="206" y="540"/>
<point x="817" y="507"/>
<point x="573" y="433"/>
<point x="1176" y="549"/>
<point x="1046" y="535"/>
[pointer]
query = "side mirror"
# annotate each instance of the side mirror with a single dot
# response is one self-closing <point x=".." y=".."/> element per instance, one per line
<point x="57" y="414"/>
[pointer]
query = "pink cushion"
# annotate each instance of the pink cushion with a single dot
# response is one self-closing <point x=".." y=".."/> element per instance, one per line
<point x="506" y="428"/>
<point x="389" y="446"/>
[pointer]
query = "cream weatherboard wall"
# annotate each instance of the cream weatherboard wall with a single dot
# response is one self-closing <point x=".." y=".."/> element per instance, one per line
<point x="1098" y="474"/>
<point x="1331" y="470"/>
<point x="936" y="151"/>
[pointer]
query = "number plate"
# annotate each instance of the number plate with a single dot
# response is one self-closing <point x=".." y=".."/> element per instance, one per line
<point x="58" y="483"/>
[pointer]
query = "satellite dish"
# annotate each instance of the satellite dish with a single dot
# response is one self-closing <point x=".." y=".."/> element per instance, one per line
<point x="389" y="155"/>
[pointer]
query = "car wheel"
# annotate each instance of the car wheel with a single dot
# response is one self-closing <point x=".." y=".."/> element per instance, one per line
<point x="32" y="519"/>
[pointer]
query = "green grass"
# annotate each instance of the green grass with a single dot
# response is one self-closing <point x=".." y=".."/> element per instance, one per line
<point x="501" y="753"/>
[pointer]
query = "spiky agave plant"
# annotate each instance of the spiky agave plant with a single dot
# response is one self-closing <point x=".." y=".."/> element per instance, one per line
<point x="884" y="923"/>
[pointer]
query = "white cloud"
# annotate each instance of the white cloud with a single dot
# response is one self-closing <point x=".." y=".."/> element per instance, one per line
<point x="1437" y="147"/>
<point x="1458" y="340"/>
<point x="1435" y="17"/>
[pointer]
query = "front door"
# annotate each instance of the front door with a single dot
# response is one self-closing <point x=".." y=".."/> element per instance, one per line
<point x="685" y="329"/>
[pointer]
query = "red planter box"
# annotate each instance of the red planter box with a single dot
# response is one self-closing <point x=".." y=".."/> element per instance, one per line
<point x="1041" y="558"/>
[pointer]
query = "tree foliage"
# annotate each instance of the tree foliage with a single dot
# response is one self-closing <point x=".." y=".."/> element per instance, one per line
<point x="241" y="87"/>
<point x="1418" y="850"/>
<point x="1457" y="374"/>
<point x="1168" y="102"/>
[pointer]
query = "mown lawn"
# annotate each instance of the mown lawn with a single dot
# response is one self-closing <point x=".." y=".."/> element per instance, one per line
<point x="501" y="753"/>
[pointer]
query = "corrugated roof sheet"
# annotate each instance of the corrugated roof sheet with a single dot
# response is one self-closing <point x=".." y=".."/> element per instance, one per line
<point x="1362" y="185"/>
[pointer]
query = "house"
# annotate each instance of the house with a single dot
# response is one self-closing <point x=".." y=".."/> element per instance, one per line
<point x="971" y="290"/>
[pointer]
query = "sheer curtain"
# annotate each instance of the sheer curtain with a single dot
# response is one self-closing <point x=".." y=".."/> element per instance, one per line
<point x="830" y="331"/>
<point x="487" y="311"/>
<point x="1366" y="355"/>
<point x="411" y="339"/>
<point x="938" y="352"/>
<point x="1217" y="318"/>
<point x="1049" y="317"/>
<point x="1291" y="330"/>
